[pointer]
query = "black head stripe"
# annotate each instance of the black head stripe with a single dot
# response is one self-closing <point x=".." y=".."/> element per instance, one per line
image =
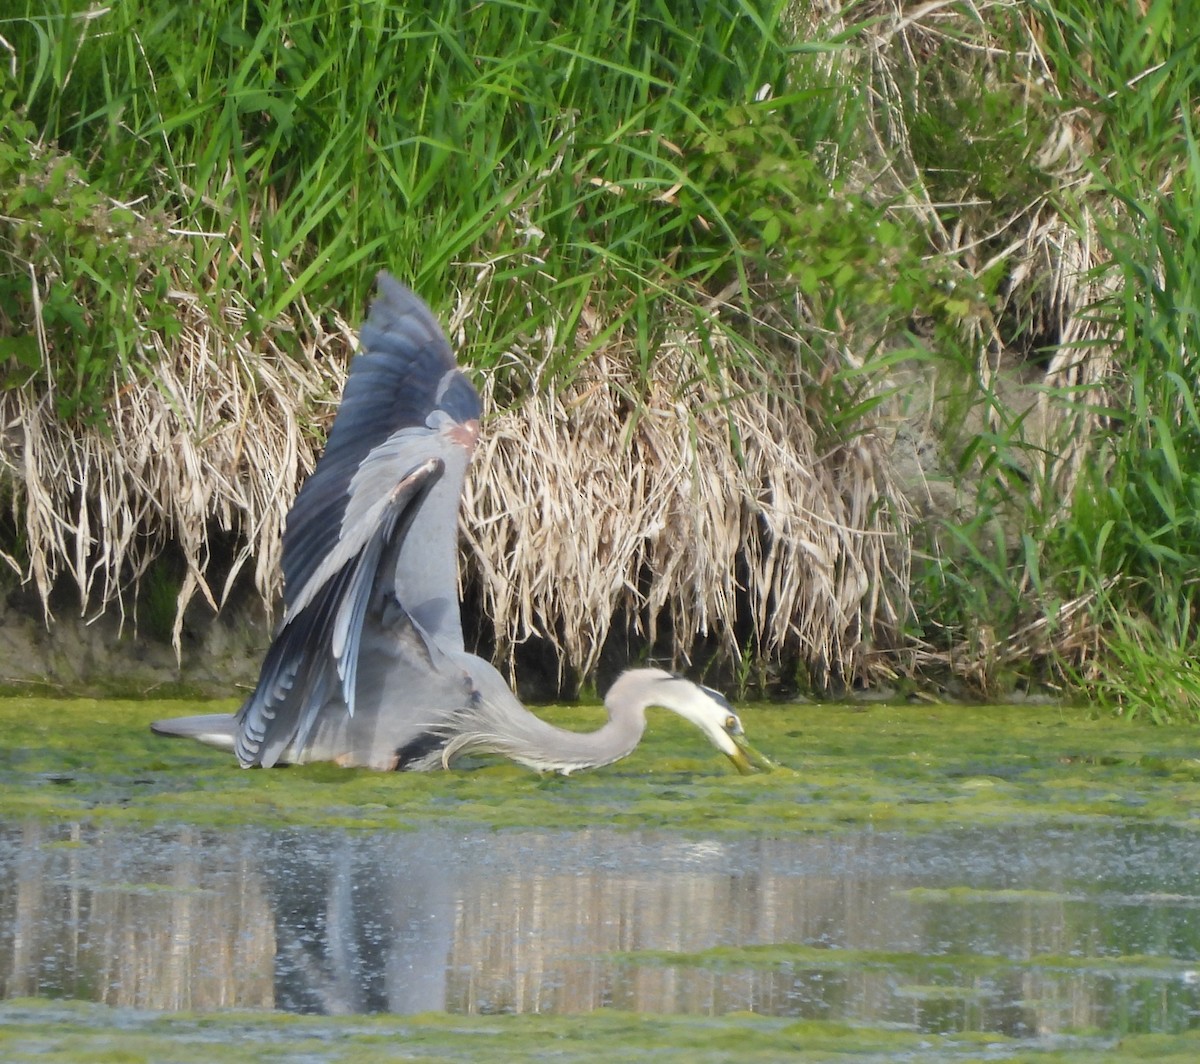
<point x="717" y="697"/>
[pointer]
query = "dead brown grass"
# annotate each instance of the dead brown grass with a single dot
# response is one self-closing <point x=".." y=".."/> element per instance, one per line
<point x="585" y="509"/>
<point x="214" y="441"/>
<point x="584" y="506"/>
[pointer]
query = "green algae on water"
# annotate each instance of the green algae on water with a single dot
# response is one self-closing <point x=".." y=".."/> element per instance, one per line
<point x="798" y="956"/>
<point x="53" y="1032"/>
<point x="894" y="767"/>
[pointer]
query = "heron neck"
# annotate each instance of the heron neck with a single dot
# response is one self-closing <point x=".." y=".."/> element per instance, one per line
<point x="547" y="747"/>
<point x="495" y="722"/>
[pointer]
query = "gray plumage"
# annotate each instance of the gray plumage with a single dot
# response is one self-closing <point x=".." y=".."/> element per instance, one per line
<point x="368" y="666"/>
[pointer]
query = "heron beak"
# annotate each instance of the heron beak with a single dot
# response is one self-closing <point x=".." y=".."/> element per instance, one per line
<point x="745" y="758"/>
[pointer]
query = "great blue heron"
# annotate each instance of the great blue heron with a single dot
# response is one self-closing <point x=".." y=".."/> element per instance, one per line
<point x="368" y="667"/>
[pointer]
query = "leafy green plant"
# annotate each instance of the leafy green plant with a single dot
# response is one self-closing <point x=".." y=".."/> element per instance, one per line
<point x="87" y="278"/>
<point x="1133" y="534"/>
<point x="789" y="211"/>
<point x="538" y="148"/>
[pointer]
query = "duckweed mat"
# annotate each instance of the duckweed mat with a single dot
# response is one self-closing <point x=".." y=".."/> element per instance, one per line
<point x="69" y="1033"/>
<point x="895" y="766"/>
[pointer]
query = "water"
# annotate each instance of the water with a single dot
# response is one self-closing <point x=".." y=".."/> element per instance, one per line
<point x="1026" y="931"/>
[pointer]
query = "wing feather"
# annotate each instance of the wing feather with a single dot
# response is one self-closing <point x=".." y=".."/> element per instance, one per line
<point x="311" y="667"/>
<point x="377" y="515"/>
<point x="404" y="376"/>
<point x="373" y="568"/>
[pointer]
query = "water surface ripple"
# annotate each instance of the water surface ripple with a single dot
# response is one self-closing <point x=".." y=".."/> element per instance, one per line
<point x="1029" y="931"/>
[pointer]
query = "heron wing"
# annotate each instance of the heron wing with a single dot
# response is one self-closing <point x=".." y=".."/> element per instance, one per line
<point x="405" y="401"/>
<point x="409" y="692"/>
<point x="378" y="516"/>
<point x="311" y="668"/>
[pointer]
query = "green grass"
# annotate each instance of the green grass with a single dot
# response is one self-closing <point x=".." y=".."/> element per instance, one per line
<point x="1120" y="531"/>
<point x="582" y="156"/>
<point x="1133" y="533"/>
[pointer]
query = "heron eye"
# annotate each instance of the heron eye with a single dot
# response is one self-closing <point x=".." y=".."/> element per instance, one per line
<point x="731" y="723"/>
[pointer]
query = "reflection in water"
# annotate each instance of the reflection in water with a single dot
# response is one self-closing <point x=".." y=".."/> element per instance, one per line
<point x="1025" y="931"/>
<point x="361" y="924"/>
<point x="163" y="921"/>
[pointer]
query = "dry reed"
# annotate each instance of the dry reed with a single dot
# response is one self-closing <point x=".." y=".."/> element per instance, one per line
<point x="583" y="507"/>
<point x="212" y="442"/>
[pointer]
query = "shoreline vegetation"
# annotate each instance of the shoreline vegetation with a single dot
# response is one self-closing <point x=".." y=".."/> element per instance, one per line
<point x="832" y="346"/>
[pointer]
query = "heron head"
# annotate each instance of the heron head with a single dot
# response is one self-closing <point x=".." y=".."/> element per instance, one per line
<point x="711" y="712"/>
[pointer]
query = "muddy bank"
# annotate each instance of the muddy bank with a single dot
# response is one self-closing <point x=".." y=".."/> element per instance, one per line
<point x="103" y="654"/>
<point x="74" y="653"/>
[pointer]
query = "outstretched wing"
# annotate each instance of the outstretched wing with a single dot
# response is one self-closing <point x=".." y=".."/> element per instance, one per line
<point x="405" y="401"/>
<point x="378" y="515"/>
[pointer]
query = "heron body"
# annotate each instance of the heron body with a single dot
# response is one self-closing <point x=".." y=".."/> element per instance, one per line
<point x="368" y="666"/>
